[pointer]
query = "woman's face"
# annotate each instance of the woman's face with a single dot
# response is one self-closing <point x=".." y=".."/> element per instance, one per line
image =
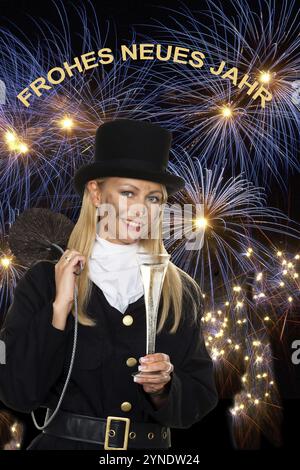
<point x="129" y="208"/>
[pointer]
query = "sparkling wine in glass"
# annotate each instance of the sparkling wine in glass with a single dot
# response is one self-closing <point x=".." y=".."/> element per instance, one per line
<point x="153" y="269"/>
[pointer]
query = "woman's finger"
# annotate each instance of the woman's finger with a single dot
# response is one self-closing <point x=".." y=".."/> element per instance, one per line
<point x="156" y="366"/>
<point x="155" y="379"/>
<point x="156" y="357"/>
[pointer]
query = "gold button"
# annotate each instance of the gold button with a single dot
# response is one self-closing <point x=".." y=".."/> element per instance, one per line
<point x="126" y="406"/>
<point x="150" y="435"/>
<point x="131" y="361"/>
<point x="132" y="435"/>
<point x="127" y="320"/>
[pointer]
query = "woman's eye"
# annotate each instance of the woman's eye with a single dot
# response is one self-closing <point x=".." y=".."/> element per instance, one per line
<point x="156" y="199"/>
<point x="153" y="199"/>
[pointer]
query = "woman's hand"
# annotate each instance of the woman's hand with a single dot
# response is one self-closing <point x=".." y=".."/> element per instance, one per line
<point x="65" y="279"/>
<point x="158" y="368"/>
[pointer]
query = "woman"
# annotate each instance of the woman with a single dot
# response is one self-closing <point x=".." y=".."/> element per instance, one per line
<point x="104" y="406"/>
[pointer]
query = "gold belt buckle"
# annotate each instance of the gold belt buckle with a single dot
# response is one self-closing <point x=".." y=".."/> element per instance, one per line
<point x="125" y="443"/>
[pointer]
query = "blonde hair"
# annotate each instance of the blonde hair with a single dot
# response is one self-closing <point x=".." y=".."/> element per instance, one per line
<point x="176" y="282"/>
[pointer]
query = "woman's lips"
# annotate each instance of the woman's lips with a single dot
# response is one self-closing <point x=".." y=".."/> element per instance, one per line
<point x="132" y="225"/>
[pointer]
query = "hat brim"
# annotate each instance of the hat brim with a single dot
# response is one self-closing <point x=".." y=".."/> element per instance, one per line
<point x="95" y="170"/>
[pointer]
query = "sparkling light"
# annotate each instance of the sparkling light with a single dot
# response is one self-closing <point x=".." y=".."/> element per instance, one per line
<point x="67" y="123"/>
<point x="5" y="262"/>
<point x="265" y="77"/>
<point x="201" y="222"/>
<point x="226" y="111"/>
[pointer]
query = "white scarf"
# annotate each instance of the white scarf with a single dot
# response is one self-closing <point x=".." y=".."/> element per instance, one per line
<point x="114" y="268"/>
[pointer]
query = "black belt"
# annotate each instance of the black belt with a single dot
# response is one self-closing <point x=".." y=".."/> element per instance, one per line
<point x="113" y="432"/>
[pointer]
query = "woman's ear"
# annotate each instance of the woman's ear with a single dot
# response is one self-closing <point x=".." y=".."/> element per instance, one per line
<point x="94" y="192"/>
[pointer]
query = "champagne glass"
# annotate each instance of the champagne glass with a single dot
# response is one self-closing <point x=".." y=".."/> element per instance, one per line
<point x="153" y="269"/>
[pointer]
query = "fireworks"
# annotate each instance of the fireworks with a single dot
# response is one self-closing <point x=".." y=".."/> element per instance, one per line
<point x="249" y="285"/>
<point x="43" y="144"/>
<point x="260" y="42"/>
<point x="235" y="223"/>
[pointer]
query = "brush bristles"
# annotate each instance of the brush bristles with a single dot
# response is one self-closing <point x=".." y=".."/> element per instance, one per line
<point x="33" y="232"/>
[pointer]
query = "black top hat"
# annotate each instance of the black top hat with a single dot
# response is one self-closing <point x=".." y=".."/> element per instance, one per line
<point x="130" y="148"/>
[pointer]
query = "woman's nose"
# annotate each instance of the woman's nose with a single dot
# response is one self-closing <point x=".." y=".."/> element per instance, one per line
<point x="139" y="210"/>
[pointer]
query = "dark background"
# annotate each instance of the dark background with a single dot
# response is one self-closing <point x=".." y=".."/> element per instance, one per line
<point x="214" y="432"/>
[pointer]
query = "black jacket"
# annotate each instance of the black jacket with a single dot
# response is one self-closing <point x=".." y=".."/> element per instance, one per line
<point x="38" y="355"/>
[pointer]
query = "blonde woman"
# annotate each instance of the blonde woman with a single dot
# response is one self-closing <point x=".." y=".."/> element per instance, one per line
<point x="123" y="192"/>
